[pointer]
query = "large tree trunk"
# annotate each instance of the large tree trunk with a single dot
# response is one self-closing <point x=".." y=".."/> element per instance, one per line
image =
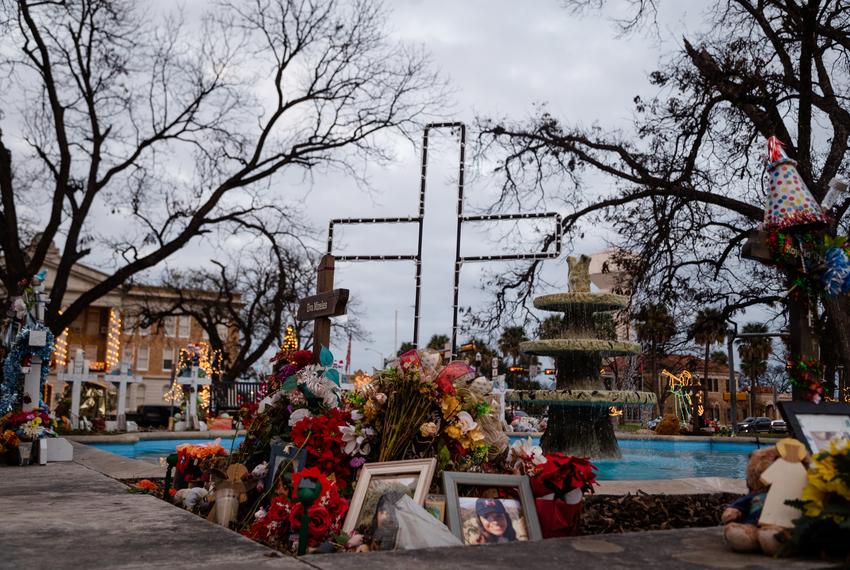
<point x="838" y="336"/>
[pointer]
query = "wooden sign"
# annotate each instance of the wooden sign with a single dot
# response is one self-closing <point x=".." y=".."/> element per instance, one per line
<point x="328" y="304"/>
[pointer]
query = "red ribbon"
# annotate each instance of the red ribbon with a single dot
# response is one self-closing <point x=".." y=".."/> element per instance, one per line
<point x="774" y="149"/>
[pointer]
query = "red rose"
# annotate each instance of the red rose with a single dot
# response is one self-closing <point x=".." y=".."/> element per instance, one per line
<point x="320" y="521"/>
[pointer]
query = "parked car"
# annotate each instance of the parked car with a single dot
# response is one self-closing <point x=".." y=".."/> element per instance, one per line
<point x="149" y="415"/>
<point x="755" y="425"/>
<point x="778" y="426"/>
<point x="653" y="423"/>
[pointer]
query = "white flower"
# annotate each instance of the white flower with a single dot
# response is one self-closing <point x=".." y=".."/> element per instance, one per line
<point x="356" y="416"/>
<point x="260" y="470"/>
<point x="299" y="415"/>
<point x="356" y="443"/>
<point x="465" y="422"/>
<point x="311" y="376"/>
<point x="20" y="307"/>
<point x="525" y="450"/>
<point x="260" y="514"/>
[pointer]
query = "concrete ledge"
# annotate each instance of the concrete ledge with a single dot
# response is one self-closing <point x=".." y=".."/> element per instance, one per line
<point x="693" y="548"/>
<point x="115" y="466"/>
<point x="148" y="435"/>
<point x="63" y="515"/>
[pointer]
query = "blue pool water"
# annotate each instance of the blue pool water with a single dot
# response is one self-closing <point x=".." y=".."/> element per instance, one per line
<point x="151" y="450"/>
<point x="642" y="458"/>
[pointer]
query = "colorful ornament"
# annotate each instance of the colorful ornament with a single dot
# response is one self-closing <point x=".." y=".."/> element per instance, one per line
<point x="806" y="374"/>
<point x="790" y="204"/>
<point x="836" y="278"/>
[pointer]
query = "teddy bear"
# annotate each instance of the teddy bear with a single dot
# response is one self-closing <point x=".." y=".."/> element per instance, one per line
<point x="740" y="519"/>
<point x="775" y="476"/>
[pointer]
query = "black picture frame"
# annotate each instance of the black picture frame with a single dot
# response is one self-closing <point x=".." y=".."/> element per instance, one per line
<point x="282" y="453"/>
<point x="796" y="415"/>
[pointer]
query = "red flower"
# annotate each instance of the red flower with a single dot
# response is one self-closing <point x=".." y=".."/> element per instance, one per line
<point x="563" y="473"/>
<point x="302" y="358"/>
<point x="445" y="385"/>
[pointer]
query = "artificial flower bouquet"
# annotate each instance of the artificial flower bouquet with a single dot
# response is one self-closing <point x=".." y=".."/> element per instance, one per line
<point x="558" y="482"/>
<point x="18" y="430"/>
<point x="824" y="527"/>
<point x="413" y="409"/>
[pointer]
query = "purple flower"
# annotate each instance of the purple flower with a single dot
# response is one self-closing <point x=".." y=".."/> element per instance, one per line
<point x="287" y="371"/>
<point x="357" y="461"/>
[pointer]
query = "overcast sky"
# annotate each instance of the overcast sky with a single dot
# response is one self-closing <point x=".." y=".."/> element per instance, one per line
<point x="502" y="58"/>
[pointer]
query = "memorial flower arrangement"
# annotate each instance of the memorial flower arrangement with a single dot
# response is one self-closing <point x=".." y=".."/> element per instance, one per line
<point x="824" y="527"/>
<point x="29" y="425"/>
<point x="415" y="408"/>
<point x="283" y="518"/>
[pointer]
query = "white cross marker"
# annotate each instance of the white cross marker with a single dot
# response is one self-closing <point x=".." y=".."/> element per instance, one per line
<point x="77" y="373"/>
<point x="194" y="379"/>
<point x="122" y="377"/>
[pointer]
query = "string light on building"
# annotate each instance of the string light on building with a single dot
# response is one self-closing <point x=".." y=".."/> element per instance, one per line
<point x="113" y="340"/>
<point x="60" y="350"/>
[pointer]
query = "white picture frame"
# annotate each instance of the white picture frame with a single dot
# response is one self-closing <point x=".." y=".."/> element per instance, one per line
<point x="422" y="469"/>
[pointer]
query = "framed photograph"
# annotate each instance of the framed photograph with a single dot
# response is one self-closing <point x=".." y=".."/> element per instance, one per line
<point x="505" y="512"/>
<point x="436" y="505"/>
<point x="379" y="483"/>
<point x="281" y="454"/>
<point x="816" y="424"/>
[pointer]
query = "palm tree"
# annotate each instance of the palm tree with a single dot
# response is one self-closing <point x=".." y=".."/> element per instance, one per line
<point x="551" y="327"/>
<point x="509" y="341"/>
<point x="708" y="328"/>
<point x="654" y="326"/>
<point x="438" y="342"/>
<point x="754" y="352"/>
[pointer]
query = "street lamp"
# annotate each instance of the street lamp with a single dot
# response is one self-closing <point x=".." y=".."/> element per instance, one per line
<point x="379" y="353"/>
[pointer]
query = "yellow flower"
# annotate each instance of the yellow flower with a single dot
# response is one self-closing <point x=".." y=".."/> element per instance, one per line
<point x="814" y="501"/>
<point x="450" y="406"/>
<point x="453" y="432"/>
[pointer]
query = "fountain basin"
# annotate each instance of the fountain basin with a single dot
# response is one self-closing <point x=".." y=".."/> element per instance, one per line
<point x="565" y="346"/>
<point x="593" y="302"/>
<point x="582" y="397"/>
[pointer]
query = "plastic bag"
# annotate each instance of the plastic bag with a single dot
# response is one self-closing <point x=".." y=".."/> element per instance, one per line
<point x="417" y="528"/>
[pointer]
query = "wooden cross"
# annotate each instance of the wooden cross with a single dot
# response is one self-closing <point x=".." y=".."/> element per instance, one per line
<point x="326" y="303"/>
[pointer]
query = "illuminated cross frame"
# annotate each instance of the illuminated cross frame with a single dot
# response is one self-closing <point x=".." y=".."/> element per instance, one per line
<point x="461" y="218"/>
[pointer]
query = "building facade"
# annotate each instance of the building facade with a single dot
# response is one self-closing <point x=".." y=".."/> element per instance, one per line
<point x="109" y="335"/>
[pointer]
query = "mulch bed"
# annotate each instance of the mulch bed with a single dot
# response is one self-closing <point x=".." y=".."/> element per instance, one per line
<point x="604" y="514"/>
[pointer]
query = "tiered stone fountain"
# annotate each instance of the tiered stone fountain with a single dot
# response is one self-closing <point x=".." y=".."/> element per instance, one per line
<point x="578" y="419"/>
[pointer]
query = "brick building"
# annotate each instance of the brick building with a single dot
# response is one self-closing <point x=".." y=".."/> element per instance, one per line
<point x="151" y="353"/>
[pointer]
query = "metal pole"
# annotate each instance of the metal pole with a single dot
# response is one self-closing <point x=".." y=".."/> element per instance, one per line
<point x="460" y="182"/>
<point x="733" y="385"/>
<point x="423" y="176"/>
